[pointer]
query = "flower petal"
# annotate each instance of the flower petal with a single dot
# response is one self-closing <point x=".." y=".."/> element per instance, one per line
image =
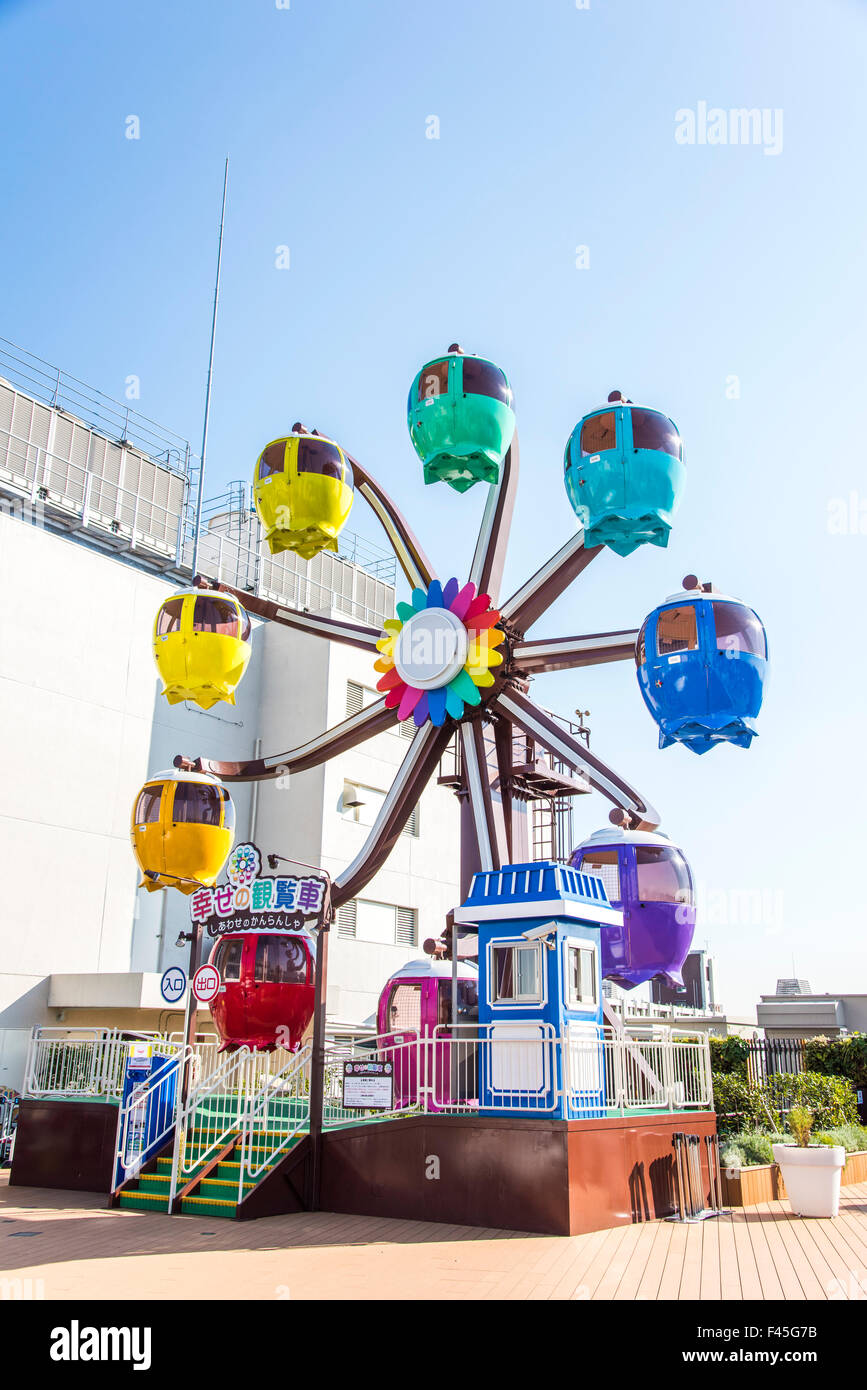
<point x="454" y="701"/>
<point x="463" y="600"/>
<point x="435" y="594"/>
<point x="482" y="620"/>
<point x="419" y="714"/>
<point x="419" y="600"/>
<point x="450" y="592"/>
<point x="480" y="604"/>
<point x="463" y="686"/>
<point x="394" y="697"/>
<point x="392" y="625"/>
<point x="405" y="611"/>
<point x="410" y="699"/>
<point x="436" y="703"/>
<point x="383" y="663"/>
<point x="481" y="678"/>
<point x="390" y="680"/>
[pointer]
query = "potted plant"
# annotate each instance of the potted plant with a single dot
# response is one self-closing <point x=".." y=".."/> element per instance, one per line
<point x="811" y="1172"/>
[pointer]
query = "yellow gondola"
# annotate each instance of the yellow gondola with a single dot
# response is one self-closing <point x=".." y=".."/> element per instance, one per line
<point x="182" y="831"/>
<point x="303" y="491"/>
<point x="201" y="647"/>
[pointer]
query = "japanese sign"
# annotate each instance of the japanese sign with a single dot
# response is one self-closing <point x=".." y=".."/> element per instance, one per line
<point x="368" y="1086"/>
<point x="206" y="984"/>
<point x="253" y="901"/>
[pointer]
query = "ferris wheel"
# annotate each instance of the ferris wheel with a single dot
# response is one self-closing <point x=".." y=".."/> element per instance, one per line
<point x="457" y="658"/>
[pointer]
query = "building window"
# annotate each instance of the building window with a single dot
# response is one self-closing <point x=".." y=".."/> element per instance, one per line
<point x="346" y="920"/>
<point x="406" y="926"/>
<point x="581" y="977"/>
<point x="362" y="805"/>
<point x="516" y="974"/>
<point x="391" y="925"/>
<point x="359" y="696"/>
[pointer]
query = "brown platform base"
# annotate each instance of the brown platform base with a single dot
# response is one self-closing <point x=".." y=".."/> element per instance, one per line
<point x="555" y="1177"/>
<point x="66" y="1144"/>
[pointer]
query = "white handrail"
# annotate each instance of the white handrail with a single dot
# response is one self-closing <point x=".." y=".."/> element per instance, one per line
<point x="290" y="1084"/>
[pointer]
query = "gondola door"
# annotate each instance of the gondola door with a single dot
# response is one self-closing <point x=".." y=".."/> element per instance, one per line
<point x="404" y="1023"/>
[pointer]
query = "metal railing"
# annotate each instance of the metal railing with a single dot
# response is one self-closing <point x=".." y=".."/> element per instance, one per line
<point x="8" y="1124"/>
<point x="148" y="1118"/>
<point x="70" y="1062"/>
<point x="524" y="1069"/>
<point x="275" y="1115"/>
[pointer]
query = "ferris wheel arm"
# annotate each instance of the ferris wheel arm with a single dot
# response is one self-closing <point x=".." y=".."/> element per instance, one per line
<point x="411" y="778"/>
<point x="548" y="583"/>
<point x="368" y="722"/>
<point x="486" y="571"/>
<point x="335" y="629"/>
<point x="540" y="726"/>
<point x="566" y="653"/>
<point x="410" y="556"/>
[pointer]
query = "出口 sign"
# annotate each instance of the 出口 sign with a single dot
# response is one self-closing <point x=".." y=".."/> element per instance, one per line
<point x="252" y="901"/>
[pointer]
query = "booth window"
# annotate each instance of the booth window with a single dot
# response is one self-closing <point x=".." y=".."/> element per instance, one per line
<point x="516" y="974"/>
<point x="169" y="619"/>
<point x="484" y="379"/>
<point x="663" y="875"/>
<point x="580" y="977"/>
<point x="598" y="433"/>
<point x="280" y="960"/>
<point x="273" y="459"/>
<point x="228" y="959"/>
<point x="318" y="456"/>
<point x="147" y="808"/>
<point x="197" y="803"/>
<point x="434" y="381"/>
<point x="605" y="864"/>
<point x="216" y="615"/>
<point x="650" y="430"/>
<point x="676" y="630"/>
<point x="404" y="1009"/>
<point x="738" y="630"/>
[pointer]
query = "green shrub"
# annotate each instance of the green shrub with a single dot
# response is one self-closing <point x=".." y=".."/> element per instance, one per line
<point x="748" y="1148"/>
<point x="853" y="1138"/>
<point x="800" y="1122"/>
<point x="839" y="1057"/>
<point x="740" y="1106"/>
<point x="728" y="1055"/>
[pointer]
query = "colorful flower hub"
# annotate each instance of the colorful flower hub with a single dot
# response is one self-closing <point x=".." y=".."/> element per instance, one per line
<point x="438" y="654"/>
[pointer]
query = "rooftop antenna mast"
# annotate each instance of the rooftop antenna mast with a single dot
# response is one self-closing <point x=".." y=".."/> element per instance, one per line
<point x="199" y="497"/>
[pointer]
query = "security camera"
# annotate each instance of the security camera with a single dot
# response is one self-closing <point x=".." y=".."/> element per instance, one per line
<point x="540" y="933"/>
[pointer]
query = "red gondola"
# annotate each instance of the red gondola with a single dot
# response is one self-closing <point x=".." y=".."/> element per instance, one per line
<point x="267" y="995"/>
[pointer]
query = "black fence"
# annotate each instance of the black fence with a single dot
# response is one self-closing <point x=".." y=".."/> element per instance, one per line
<point x="773" y="1056"/>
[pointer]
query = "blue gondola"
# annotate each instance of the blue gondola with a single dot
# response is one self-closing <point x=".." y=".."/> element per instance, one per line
<point x="702" y="661"/>
<point x="625" y="475"/>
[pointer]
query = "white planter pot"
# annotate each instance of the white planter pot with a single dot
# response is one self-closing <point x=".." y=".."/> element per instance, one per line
<point x="812" y="1177"/>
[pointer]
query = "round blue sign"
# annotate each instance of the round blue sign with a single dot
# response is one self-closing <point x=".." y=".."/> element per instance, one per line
<point x="173" y="985"/>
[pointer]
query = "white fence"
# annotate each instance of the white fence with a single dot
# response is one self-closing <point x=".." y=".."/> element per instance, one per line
<point x="524" y="1069"/>
<point x="89" y="1062"/>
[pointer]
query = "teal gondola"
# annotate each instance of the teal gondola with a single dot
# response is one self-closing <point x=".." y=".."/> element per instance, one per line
<point x="624" y="475"/>
<point x="461" y="419"/>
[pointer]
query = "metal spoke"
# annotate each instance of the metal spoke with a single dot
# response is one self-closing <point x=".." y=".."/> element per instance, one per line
<point x="540" y="726"/>
<point x="335" y="629"/>
<point x="548" y="583"/>
<point x="566" y="653"/>
<point x="486" y="571"/>
<point x="410" y="780"/>
<point x="368" y="722"/>
<point x="410" y="556"/>
<point x="487" y="810"/>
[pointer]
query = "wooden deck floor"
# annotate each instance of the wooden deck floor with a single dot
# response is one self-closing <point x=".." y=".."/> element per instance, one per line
<point x="72" y="1247"/>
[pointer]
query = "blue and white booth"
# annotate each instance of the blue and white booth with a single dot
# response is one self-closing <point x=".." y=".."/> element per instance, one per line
<point x="540" y="989"/>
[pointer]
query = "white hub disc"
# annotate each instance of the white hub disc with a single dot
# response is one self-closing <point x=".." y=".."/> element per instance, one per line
<point x="431" y="648"/>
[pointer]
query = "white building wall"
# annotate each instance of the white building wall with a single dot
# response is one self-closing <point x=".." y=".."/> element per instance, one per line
<point x="82" y="725"/>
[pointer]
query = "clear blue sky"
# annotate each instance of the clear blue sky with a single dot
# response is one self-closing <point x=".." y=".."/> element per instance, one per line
<point x="557" y="129"/>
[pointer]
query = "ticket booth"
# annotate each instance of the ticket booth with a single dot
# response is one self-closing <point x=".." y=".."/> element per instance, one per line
<point x="540" y="989"/>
